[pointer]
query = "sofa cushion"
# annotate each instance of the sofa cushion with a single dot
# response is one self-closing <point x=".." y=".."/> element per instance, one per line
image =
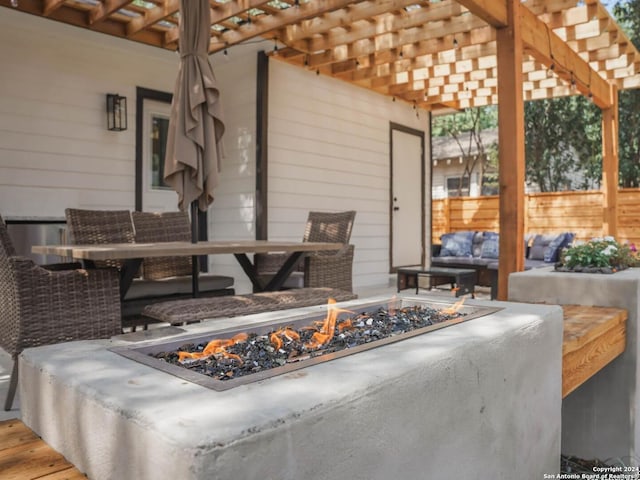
<point x="458" y="244"/>
<point x="490" y="245"/>
<point x="540" y="244"/>
<point x="551" y="253"/>
<point x="548" y="247"/>
<point x="476" y="245"/>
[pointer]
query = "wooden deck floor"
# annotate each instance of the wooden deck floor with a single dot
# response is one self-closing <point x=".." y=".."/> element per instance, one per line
<point x="24" y="456"/>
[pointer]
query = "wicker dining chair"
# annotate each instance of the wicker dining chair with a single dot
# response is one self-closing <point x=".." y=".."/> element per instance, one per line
<point x="42" y="307"/>
<point x="319" y="269"/>
<point x="163" y="227"/>
<point x="90" y="227"/>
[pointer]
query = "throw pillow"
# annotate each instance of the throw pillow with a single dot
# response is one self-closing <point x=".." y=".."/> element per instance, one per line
<point x="540" y="243"/>
<point x="456" y="244"/>
<point x="490" y="245"/>
<point x="476" y="246"/>
<point x="551" y="252"/>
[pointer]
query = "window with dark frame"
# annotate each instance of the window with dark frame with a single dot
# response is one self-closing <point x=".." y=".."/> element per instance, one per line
<point x="457" y="186"/>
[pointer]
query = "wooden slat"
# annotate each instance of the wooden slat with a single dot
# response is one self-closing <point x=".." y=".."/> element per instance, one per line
<point x="593" y="337"/>
<point x="580" y="212"/>
<point x="13" y="433"/>
<point x="24" y="456"/>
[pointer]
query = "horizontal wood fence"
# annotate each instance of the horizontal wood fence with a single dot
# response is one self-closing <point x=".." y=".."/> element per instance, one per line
<point x="578" y="212"/>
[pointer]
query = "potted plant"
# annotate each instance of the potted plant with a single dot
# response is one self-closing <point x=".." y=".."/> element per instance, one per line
<point x="598" y="255"/>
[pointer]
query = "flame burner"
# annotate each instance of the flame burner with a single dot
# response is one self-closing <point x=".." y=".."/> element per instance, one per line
<point x="235" y="357"/>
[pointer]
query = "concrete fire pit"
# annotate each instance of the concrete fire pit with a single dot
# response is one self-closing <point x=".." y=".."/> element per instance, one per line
<point x="479" y="399"/>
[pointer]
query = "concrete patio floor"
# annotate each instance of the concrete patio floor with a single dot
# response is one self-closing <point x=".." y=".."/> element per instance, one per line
<point x="389" y="289"/>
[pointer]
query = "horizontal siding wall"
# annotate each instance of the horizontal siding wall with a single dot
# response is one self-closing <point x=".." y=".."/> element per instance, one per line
<point x="55" y="149"/>
<point x="578" y="212"/>
<point x="329" y="151"/>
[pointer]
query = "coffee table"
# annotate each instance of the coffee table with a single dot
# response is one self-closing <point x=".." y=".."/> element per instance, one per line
<point x="462" y="280"/>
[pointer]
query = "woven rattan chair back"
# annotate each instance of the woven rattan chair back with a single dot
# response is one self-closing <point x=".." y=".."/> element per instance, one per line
<point x="321" y="269"/>
<point x="9" y="308"/>
<point x="329" y="227"/>
<point x="41" y="307"/>
<point x="5" y="240"/>
<point x="163" y="227"/>
<point x="90" y="227"/>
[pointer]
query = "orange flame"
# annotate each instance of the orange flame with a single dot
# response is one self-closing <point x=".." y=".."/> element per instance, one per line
<point x="325" y="334"/>
<point x="453" y="309"/>
<point x="275" y="341"/>
<point x="393" y="305"/>
<point x="346" y="325"/>
<point x="286" y="332"/>
<point x="217" y="346"/>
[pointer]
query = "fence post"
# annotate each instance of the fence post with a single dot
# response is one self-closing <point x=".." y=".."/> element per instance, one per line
<point x="446" y="208"/>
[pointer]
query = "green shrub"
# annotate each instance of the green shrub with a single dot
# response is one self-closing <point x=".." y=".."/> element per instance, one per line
<point x="599" y="253"/>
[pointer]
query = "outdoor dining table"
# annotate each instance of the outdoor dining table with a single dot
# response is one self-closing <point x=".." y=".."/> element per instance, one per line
<point x="132" y="254"/>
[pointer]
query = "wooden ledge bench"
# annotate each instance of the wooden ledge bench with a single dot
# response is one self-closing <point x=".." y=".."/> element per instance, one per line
<point x="593" y="337"/>
<point x="177" y="312"/>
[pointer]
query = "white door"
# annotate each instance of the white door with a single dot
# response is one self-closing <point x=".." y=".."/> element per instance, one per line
<point x="156" y="195"/>
<point x="407" y="197"/>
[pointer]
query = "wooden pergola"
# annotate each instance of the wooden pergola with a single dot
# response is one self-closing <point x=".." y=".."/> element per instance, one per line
<point x="434" y="55"/>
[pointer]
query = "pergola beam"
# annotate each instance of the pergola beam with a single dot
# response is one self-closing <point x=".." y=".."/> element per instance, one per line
<point x="510" y="146"/>
<point x="103" y="9"/>
<point x="610" y="165"/>
<point x="266" y="24"/>
<point x="438" y="18"/>
<point x="346" y="17"/>
<point x="494" y="12"/>
<point x="151" y="16"/>
<point x="221" y="14"/>
<point x="549" y="49"/>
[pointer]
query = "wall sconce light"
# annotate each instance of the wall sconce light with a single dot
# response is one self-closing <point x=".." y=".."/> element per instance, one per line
<point x="116" y="112"/>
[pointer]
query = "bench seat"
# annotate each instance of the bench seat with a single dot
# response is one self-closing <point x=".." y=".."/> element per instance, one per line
<point x="180" y="285"/>
<point x="196" y="309"/>
<point x="144" y="292"/>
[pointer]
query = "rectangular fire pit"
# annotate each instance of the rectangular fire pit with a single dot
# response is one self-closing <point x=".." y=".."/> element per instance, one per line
<point x="147" y="354"/>
<point x="479" y="399"/>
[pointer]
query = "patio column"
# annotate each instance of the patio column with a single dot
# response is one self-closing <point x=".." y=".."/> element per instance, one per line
<point x="510" y="147"/>
<point x="610" y="166"/>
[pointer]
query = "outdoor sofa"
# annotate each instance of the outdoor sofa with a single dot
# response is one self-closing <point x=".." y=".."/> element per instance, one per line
<point x="479" y="251"/>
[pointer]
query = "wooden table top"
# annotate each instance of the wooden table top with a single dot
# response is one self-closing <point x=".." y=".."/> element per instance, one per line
<point x="123" y="251"/>
<point x="582" y="324"/>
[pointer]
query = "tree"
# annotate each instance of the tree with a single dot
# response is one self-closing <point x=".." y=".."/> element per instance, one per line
<point x="465" y="128"/>
<point x="562" y="143"/>
<point x="628" y="15"/>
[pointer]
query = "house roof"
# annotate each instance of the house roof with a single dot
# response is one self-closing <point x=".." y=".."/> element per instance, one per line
<point x="447" y="147"/>
<point x="433" y="54"/>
